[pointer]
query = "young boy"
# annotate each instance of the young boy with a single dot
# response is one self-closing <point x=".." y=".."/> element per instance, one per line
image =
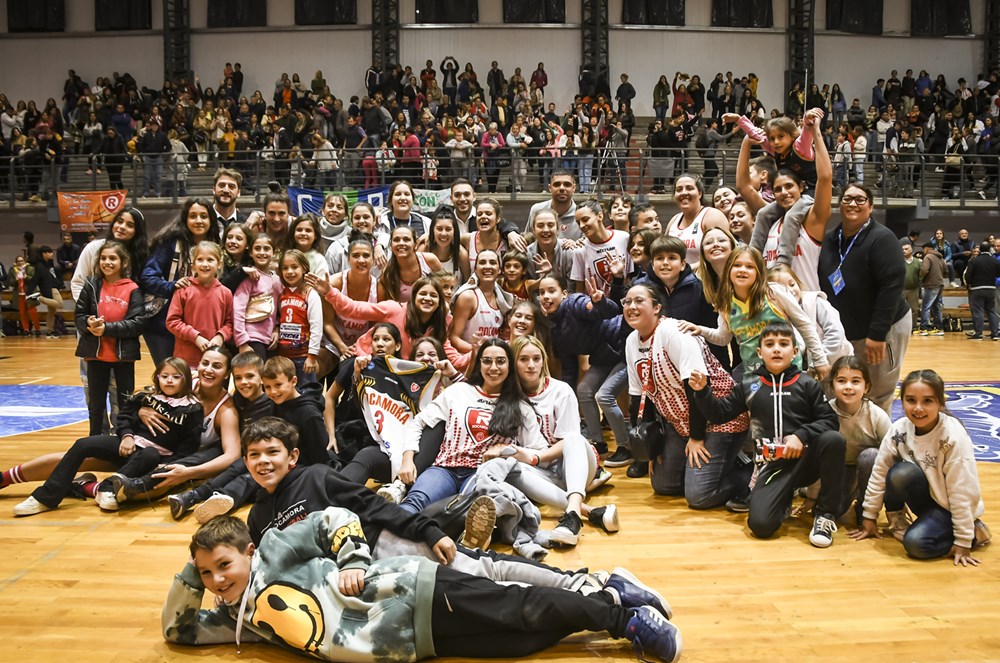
<point x="763" y="170"/>
<point x="795" y="431"/>
<point x="301" y="407"/>
<point x="911" y="285"/>
<point x="233" y="487"/>
<point x="313" y="588"/>
<point x="290" y="493"/>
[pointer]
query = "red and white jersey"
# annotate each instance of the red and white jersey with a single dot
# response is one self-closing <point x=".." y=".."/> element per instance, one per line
<point x="486" y="320"/>
<point x="662" y="362"/>
<point x="351" y="329"/>
<point x="293" y="324"/>
<point x="594" y="260"/>
<point x="557" y="410"/>
<point x="467" y="411"/>
<point x="805" y="262"/>
<point x="691" y="236"/>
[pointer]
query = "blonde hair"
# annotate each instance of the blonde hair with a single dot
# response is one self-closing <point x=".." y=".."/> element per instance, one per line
<point x="212" y="248"/>
<point x="521" y="342"/>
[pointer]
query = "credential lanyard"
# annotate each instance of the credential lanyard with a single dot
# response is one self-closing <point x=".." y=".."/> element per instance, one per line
<point x="837" y="277"/>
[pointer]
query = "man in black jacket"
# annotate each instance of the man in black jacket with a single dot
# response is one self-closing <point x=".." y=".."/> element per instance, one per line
<point x="152" y="145"/>
<point x="981" y="277"/>
<point x="49" y="285"/>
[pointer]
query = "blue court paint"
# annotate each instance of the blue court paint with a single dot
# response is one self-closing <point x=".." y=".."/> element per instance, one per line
<point x="34" y="407"/>
<point x="977" y="404"/>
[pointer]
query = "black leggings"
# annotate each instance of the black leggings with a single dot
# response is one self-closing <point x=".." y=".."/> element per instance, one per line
<point x="373" y="463"/>
<point x="101" y="447"/>
<point x="477" y="618"/>
<point x="98" y="381"/>
<point x="772" y="494"/>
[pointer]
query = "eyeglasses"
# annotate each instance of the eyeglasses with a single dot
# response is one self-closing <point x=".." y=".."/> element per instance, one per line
<point x="854" y="200"/>
<point x="638" y="301"/>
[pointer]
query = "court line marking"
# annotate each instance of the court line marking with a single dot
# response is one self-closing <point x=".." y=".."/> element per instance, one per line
<point x="33" y="381"/>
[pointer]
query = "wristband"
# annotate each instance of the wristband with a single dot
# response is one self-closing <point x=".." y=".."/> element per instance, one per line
<point x="534" y="460"/>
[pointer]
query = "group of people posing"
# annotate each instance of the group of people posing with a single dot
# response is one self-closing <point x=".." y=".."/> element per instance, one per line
<point x="420" y="353"/>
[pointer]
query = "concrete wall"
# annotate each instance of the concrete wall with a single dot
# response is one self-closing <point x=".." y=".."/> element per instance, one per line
<point x="344" y="53"/>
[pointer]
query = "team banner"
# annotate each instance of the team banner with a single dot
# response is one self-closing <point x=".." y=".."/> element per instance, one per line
<point x="391" y="391"/>
<point x="87" y="211"/>
<point x="311" y="200"/>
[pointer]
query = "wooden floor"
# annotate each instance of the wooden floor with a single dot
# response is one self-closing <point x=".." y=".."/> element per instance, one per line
<point x="76" y="584"/>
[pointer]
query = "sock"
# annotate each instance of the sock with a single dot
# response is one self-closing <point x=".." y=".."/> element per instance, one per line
<point x="90" y="489"/>
<point x="13" y="475"/>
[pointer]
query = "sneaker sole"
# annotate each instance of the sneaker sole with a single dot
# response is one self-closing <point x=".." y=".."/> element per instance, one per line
<point x="599" y="481"/>
<point x="479" y="523"/>
<point x="663" y="606"/>
<point x="117" y="487"/>
<point x="610" y="522"/>
<point x="618" y="463"/>
<point x="177" y="510"/>
<point x="564" y="537"/>
<point x="212" y="507"/>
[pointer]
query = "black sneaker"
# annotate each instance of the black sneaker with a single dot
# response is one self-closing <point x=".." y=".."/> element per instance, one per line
<point x="620" y="458"/>
<point x="77" y="488"/>
<point x="602" y="448"/>
<point x="567" y="532"/>
<point x="738" y="505"/>
<point x="637" y="470"/>
<point x="605" y="517"/>
<point x="181" y="503"/>
<point x="652" y="635"/>
<point x="824" y="525"/>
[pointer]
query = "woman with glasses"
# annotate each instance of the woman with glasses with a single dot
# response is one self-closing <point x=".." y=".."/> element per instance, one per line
<point x="861" y="270"/>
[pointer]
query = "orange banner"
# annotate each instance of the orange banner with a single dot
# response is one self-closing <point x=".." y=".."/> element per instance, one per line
<point x="86" y="211"/>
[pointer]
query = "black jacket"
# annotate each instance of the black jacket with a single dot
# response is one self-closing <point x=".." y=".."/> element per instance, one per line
<point x="313" y="488"/>
<point x="185" y="422"/>
<point x="982" y="272"/>
<point x="47" y="279"/>
<point x="306" y="414"/>
<point x="803" y="409"/>
<point x="153" y="143"/>
<point x="126" y="332"/>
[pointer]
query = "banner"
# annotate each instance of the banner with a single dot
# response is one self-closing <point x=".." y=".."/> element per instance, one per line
<point x="311" y="200"/>
<point x="86" y="211"/>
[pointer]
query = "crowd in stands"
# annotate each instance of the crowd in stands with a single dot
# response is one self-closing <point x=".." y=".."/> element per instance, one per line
<point x="440" y="123"/>
<point x="453" y="354"/>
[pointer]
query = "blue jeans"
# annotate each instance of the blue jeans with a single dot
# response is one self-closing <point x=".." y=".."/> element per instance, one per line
<point x="931" y="306"/>
<point x="436" y="483"/>
<point x="704" y="487"/>
<point x="982" y="304"/>
<point x="931" y="535"/>
<point x="300" y="371"/>
<point x="152" y="173"/>
<point x="600" y="387"/>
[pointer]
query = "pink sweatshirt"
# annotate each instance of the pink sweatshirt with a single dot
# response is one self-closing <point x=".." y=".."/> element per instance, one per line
<point x="199" y="310"/>
<point x="259" y="332"/>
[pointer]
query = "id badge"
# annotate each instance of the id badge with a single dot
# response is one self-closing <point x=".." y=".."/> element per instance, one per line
<point x="837" y="281"/>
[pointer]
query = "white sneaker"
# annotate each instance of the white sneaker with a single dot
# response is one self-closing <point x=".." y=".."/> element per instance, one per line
<point x="106" y="501"/>
<point x="393" y="492"/>
<point x="216" y="505"/>
<point x="30" y="507"/>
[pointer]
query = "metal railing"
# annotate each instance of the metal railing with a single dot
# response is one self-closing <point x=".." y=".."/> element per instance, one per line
<point x="637" y="171"/>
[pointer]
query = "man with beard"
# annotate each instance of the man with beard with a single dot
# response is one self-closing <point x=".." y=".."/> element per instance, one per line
<point x="226" y="191"/>
<point x="562" y="186"/>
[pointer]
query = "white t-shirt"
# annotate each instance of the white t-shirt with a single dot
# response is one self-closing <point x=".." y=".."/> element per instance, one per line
<point x="593" y="260"/>
<point x="557" y="410"/>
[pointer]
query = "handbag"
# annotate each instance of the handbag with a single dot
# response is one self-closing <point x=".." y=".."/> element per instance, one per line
<point x="953" y="160"/>
<point x="646" y="438"/>
<point x="152" y="304"/>
<point x="260" y="307"/>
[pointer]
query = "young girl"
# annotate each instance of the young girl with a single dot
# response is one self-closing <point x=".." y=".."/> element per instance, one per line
<point x="747" y="303"/>
<point x="358" y="284"/>
<point x="824" y="317"/>
<point x="25" y="284"/>
<point x="445" y="241"/>
<point x="405" y="265"/>
<point x="863" y="425"/>
<point x="109" y="319"/>
<point x="362" y="223"/>
<point x="236" y="261"/>
<point x="201" y="315"/>
<point x="639" y="243"/>
<point x="618" y="212"/>
<point x="515" y="281"/>
<point x="300" y="317"/>
<point x="926" y="463"/>
<point x="304" y="235"/>
<point x="559" y="475"/>
<point x="255" y="302"/>
<point x="135" y="450"/>
<point x="525" y="318"/>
